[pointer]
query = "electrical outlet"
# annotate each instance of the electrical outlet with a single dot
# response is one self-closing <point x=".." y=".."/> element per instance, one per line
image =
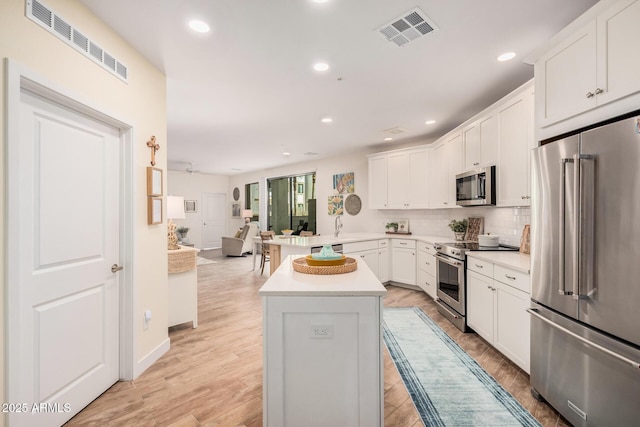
<point x="321" y="331"/>
<point x="146" y="319"/>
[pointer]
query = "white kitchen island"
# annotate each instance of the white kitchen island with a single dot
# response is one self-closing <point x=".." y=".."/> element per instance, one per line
<point x="322" y="350"/>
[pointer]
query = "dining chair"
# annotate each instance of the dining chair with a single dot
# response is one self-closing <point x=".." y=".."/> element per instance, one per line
<point x="265" y="236"/>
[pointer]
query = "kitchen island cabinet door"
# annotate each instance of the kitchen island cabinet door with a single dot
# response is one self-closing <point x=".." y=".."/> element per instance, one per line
<point x="323" y="361"/>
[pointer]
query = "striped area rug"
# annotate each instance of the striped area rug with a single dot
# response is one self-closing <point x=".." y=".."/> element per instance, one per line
<point x="448" y="387"/>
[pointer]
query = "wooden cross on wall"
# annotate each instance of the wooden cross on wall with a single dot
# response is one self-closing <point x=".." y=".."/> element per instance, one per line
<point x="154" y="147"/>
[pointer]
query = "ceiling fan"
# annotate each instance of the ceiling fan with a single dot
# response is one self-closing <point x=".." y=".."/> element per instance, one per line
<point x="190" y="168"/>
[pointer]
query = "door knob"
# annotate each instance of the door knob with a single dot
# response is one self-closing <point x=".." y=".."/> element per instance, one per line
<point x="115" y="268"/>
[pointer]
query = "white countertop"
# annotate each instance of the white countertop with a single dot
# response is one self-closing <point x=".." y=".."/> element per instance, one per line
<point x="285" y="281"/>
<point x="307" y="242"/>
<point x="515" y="260"/>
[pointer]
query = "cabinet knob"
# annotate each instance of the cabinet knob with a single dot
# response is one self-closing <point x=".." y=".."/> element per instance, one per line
<point x="590" y="94"/>
<point x="445" y="203"/>
<point x="599" y="91"/>
<point x="510" y="277"/>
<point x="476" y="164"/>
<point x="525" y="197"/>
<point x="479" y="266"/>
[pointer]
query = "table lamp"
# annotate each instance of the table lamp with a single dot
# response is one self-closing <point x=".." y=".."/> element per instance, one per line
<point x="247" y="215"/>
<point x="175" y="210"/>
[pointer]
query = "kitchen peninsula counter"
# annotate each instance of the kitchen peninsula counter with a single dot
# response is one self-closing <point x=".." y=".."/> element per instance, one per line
<point x="283" y="246"/>
<point x="328" y="330"/>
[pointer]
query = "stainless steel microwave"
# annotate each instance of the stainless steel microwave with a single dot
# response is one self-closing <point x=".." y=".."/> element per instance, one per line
<point x="476" y="187"/>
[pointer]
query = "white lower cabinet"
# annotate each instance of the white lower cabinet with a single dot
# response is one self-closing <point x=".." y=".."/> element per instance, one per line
<point x="374" y="253"/>
<point x="383" y="264"/>
<point x="497" y="311"/>
<point x="427" y="268"/>
<point x="403" y="261"/>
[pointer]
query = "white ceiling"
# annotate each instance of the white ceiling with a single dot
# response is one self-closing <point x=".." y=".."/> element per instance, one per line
<point x="245" y="92"/>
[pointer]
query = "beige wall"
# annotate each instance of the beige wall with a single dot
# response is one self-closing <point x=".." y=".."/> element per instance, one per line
<point x="141" y="102"/>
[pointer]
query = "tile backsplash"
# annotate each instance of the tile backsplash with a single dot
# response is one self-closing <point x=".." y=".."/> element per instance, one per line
<point x="508" y="223"/>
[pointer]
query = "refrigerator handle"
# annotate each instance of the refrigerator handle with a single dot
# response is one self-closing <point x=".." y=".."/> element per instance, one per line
<point x="633" y="363"/>
<point x="586" y="225"/>
<point x="577" y="220"/>
<point x="562" y="290"/>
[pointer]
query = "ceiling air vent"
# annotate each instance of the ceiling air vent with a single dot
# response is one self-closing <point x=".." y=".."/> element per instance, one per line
<point x="48" y="19"/>
<point x="394" y="130"/>
<point x="408" y="27"/>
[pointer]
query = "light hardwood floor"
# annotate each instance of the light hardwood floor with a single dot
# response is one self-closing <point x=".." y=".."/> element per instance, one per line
<point x="212" y="375"/>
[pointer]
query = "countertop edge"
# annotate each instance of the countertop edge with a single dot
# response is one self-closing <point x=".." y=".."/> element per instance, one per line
<point x="514" y="260"/>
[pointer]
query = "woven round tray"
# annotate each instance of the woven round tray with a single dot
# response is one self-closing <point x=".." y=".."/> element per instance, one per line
<point x="300" y="265"/>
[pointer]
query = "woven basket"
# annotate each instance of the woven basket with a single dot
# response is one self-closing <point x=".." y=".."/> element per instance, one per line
<point x="182" y="260"/>
<point x="300" y="265"/>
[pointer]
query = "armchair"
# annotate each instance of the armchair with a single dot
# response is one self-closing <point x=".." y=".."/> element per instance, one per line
<point x="237" y="246"/>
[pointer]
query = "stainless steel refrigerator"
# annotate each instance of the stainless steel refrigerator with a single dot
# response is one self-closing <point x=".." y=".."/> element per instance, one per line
<point x="585" y="314"/>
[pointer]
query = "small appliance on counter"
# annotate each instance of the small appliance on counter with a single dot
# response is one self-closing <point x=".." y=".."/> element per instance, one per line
<point x="489" y="240"/>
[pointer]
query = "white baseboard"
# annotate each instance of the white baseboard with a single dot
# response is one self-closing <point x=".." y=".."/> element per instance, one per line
<point x="151" y="358"/>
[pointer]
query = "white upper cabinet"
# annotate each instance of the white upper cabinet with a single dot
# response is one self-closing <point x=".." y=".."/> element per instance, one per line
<point x="479" y="142"/>
<point x="446" y="162"/>
<point x="592" y="67"/>
<point x="515" y="141"/>
<point x="403" y="176"/>
<point x="618" y="32"/>
<point x="378" y="182"/>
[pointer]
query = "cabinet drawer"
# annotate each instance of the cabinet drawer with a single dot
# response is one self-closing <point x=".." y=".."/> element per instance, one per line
<point x="480" y="266"/>
<point x="513" y="278"/>
<point x="403" y="243"/>
<point x="368" y="245"/>
<point x="427" y="262"/>
<point x="383" y="243"/>
<point x="427" y="283"/>
<point x="427" y="247"/>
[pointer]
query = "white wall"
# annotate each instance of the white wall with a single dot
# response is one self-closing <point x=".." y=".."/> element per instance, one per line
<point x="507" y="222"/>
<point x="192" y="187"/>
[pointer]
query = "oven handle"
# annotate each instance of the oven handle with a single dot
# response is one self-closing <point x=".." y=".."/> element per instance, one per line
<point x="454" y="315"/>
<point x="449" y="261"/>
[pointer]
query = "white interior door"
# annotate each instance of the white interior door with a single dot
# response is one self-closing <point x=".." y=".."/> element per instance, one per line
<point x="214" y="218"/>
<point x="68" y="314"/>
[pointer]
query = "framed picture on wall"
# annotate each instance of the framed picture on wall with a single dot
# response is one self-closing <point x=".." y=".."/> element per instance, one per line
<point x="154" y="181"/>
<point x="154" y="210"/>
<point x="235" y="210"/>
<point x="191" y="206"/>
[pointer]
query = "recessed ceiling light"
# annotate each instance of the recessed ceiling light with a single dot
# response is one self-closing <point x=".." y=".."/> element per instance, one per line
<point x="506" y="56"/>
<point x="429" y="122"/>
<point x="320" y="66"/>
<point x="326" y="120"/>
<point x="388" y="139"/>
<point x="199" y="26"/>
<point x="286" y="153"/>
